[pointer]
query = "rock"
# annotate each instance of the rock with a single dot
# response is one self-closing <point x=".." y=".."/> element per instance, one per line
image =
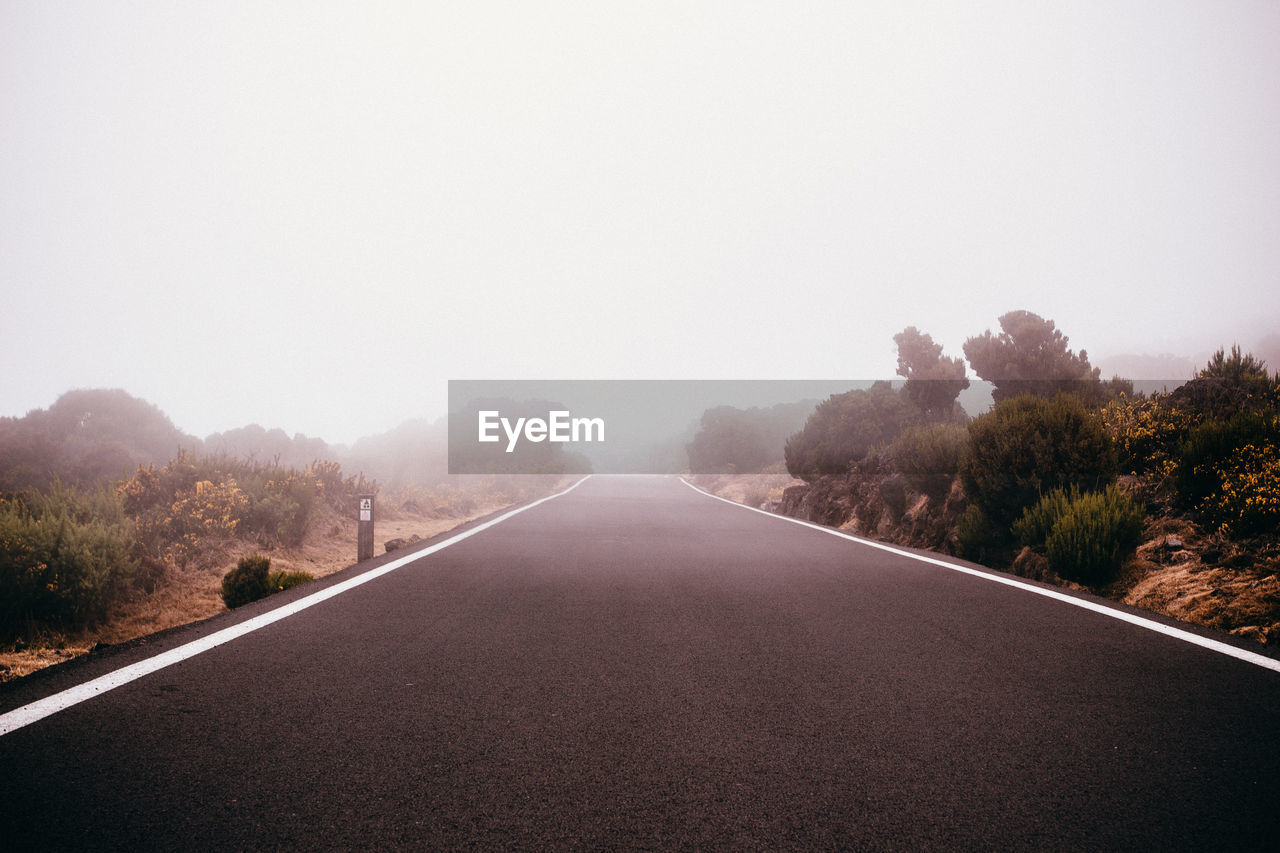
<point x="400" y="542"/>
<point x="1029" y="564"/>
<point x="1172" y="543"/>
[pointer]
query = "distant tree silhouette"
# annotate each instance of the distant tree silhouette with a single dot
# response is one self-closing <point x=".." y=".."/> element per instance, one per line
<point x="933" y="380"/>
<point x="1029" y="356"/>
<point x="87" y="437"/>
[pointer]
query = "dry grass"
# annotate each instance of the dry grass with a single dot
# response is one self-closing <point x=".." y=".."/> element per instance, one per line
<point x="757" y="490"/>
<point x="1236" y="589"/>
<point x="195" y="593"/>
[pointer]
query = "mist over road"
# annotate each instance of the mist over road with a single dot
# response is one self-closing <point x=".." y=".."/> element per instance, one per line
<point x="635" y="665"/>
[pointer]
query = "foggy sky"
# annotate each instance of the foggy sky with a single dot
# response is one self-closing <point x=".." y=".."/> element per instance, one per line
<point x="311" y="216"/>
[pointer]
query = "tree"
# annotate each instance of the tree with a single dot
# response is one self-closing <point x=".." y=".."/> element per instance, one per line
<point x="1030" y="356"/>
<point x="845" y="427"/>
<point x="933" y="380"/>
<point x="744" y="441"/>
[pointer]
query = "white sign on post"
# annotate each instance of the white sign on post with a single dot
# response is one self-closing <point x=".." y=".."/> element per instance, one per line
<point x="366" y="509"/>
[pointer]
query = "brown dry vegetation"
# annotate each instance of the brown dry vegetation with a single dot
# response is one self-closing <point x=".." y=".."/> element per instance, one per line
<point x="763" y="491"/>
<point x="194" y="593"/>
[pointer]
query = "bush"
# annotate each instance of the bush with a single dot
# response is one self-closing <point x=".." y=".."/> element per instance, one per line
<point x="846" y="427"/>
<point x="65" y="558"/>
<point x="977" y="539"/>
<point x="280" y="581"/>
<point x="1211" y="445"/>
<point x="1028" y="446"/>
<point x="929" y="457"/>
<point x="1247" y="499"/>
<point x="247" y="582"/>
<point x="1038" y="520"/>
<point x="1094" y="535"/>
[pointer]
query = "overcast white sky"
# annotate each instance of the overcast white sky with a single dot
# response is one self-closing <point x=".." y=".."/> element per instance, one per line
<point x="311" y="216"/>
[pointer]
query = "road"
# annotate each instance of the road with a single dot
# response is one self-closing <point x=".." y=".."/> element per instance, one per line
<point x="636" y="665"/>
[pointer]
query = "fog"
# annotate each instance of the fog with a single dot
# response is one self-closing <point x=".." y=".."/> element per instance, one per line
<point x="312" y="216"/>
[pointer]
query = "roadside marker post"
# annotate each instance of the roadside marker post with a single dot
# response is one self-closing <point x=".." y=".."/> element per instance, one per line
<point x="364" y="529"/>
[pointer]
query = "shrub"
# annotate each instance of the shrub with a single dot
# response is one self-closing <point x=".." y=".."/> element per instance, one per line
<point x="1028" y="446"/>
<point x="1038" y="520"/>
<point x="1094" y="535"/>
<point x="1247" y="498"/>
<point x="247" y="582"/>
<point x="929" y="457"/>
<point x="846" y="427"/>
<point x="65" y="558"/>
<point x="1212" y="444"/>
<point x="977" y="538"/>
<point x="280" y="581"/>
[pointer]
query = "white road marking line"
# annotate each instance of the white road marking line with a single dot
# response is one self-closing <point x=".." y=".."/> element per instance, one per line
<point x="1151" y="625"/>
<point x="42" y="708"/>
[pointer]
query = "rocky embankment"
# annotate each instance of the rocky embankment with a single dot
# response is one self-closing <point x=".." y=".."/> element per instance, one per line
<point x="879" y="508"/>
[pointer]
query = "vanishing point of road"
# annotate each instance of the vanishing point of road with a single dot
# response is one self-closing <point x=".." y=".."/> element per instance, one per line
<point x="634" y="665"/>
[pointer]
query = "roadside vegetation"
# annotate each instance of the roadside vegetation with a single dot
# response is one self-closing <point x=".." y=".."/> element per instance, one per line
<point x="1169" y="500"/>
<point x="101" y="543"/>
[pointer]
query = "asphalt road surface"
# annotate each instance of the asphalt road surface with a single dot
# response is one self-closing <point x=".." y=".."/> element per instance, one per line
<point x="635" y="665"/>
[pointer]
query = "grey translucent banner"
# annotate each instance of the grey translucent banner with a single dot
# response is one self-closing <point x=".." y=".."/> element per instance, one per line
<point x="522" y="426"/>
<point x="619" y="426"/>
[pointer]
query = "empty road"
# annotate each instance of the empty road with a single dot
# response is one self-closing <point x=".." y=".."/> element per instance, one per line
<point x="636" y="665"/>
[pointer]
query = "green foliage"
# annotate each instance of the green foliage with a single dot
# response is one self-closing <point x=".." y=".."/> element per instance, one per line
<point x="1226" y="386"/>
<point x="192" y="500"/>
<point x="66" y="557"/>
<point x="1092" y="536"/>
<point x="977" y="539"/>
<point x="1247" y="499"/>
<point x="247" y="582"/>
<point x="844" y="428"/>
<point x="1029" y="445"/>
<point x="1211" y="444"/>
<point x="282" y="580"/>
<point x="1038" y="520"/>
<point x="929" y="456"/>
<point x="933" y="380"/>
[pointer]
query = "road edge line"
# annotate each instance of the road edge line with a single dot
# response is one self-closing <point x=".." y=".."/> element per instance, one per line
<point x="1096" y="607"/>
<point x="34" y="711"/>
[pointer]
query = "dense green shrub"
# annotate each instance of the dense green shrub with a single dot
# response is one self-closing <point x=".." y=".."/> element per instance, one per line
<point x="282" y="580"/>
<point x="66" y="557"/>
<point x="1094" y="535"/>
<point x="977" y="538"/>
<point x="1028" y="446"/>
<point x="929" y="456"/>
<point x="247" y="582"/>
<point x="1037" y="521"/>
<point x="845" y="427"/>
<point x="1209" y="446"/>
<point x="1247" y="498"/>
